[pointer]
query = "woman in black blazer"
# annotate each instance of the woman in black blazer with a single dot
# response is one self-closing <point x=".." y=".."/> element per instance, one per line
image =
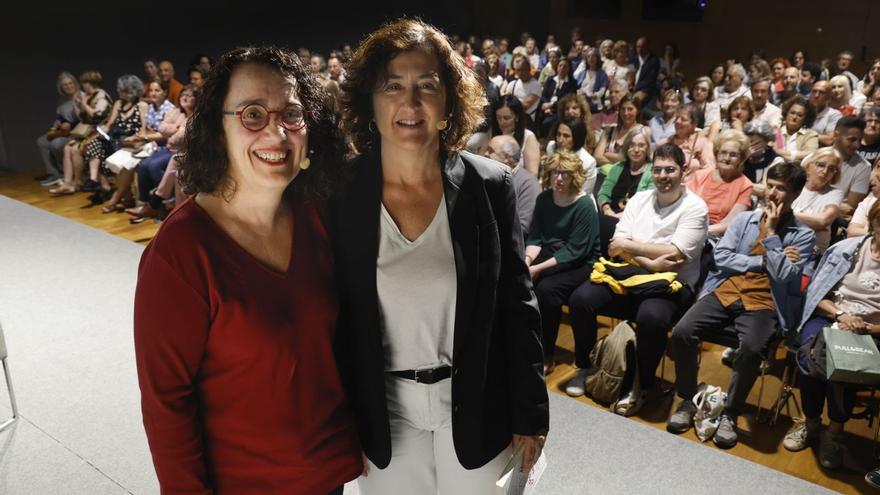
<point x="439" y="333"/>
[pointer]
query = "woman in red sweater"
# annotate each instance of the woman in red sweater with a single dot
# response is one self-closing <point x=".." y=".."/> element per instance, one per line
<point x="235" y="304"/>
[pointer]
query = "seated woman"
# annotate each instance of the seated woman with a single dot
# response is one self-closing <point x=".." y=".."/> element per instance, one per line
<point x="151" y="170"/>
<point x="571" y="136"/>
<point x="869" y="148"/>
<point x="563" y="241"/>
<point x="663" y="125"/>
<point x="606" y="118"/>
<point x="51" y="144"/>
<point x="622" y="181"/>
<point x="761" y="156"/>
<point x="493" y="70"/>
<point x="510" y="119"/>
<point x="777" y="68"/>
<point x="628" y="118"/>
<point x="92" y="108"/>
<point x="796" y="139"/>
<point x="235" y="308"/>
<point x="593" y="81"/>
<point x="548" y="70"/>
<point x="859" y="223"/>
<point x="575" y="105"/>
<point x="556" y="87"/>
<point x="703" y="96"/>
<point x="819" y="203"/>
<point x="725" y="189"/>
<point x="740" y="112"/>
<point x="619" y="67"/>
<point x="844" y="291"/>
<point x="840" y="94"/>
<point x="661" y="229"/>
<point x="156" y="110"/>
<point x="697" y="149"/>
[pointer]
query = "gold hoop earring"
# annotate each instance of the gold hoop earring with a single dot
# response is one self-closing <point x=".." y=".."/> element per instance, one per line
<point x="305" y="163"/>
<point x="442" y="125"/>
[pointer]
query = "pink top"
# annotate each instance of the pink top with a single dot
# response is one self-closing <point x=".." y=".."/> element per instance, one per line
<point x="720" y="196"/>
<point x="698" y="153"/>
<point x="173" y="127"/>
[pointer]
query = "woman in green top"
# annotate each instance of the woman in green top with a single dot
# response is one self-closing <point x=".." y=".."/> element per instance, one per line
<point x="563" y="241"/>
<point x="623" y="180"/>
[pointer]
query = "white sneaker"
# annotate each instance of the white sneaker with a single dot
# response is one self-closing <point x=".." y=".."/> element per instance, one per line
<point x="575" y="386"/>
<point x="801" y="435"/>
<point x="630" y="403"/>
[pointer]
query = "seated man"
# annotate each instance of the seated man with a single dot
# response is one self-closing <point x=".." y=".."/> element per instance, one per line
<point x="506" y="150"/>
<point x="855" y="171"/>
<point x="755" y="286"/>
<point x="662" y="229"/>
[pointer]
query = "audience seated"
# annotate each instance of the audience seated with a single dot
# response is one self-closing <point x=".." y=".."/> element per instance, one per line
<point x="859" y="223"/>
<point x="556" y="87"/>
<point x="619" y="68"/>
<point x="661" y="230"/>
<point x="591" y="79"/>
<point x="870" y="146"/>
<point x="854" y="170"/>
<point x="725" y="189"/>
<point x="777" y="70"/>
<point x="504" y="149"/>
<point x="574" y="105"/>
<point x="826" y="117"/>
<point x="764" y="110"/>
<point x="795" y="138"/>
<point x="563" y="241"/>
<point x="510" y="119"/>
<point x="697" y="149"/>
<point x="702" y="96"/>
<point x="663" y="125"/>
<point x="571" y="136"/>
<point x="525" y="88"/>
<point x="739" y="112"/>
<point x="607" y="117"/>
<point x="197" y="76"/>
<point x="755" y="287"/>
<point x="172" y="85"/>
<point x="844" y="292"/>
<point x="840" y="96"/>
<point x="818" y="205"/>
<point x="628" y="118"/>
<point x="51" y="144"/>
<point x="761" y="157"/>
<point x="733" y="87"/>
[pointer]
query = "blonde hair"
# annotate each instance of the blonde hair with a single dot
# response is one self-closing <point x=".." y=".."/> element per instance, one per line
<point x="827" y="151"/>
<point x="565" y="161"/>
<point x="847" y="90"/>
<point x="736" y="136"/>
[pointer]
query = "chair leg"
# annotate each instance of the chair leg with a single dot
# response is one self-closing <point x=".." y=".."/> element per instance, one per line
<point x="787" y="393"/>
<point x="11" y="397"/>
<point x="764" y="366"/>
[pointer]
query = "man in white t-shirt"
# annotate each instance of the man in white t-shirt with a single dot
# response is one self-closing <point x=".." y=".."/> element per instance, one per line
<point x="764" y="110"/>
<point x="855" y="171"/>
<point x="733" y="86"/>
<point x="663" y="229"/>
<point x="826" y="117"/>
<point x="525" y="88"/>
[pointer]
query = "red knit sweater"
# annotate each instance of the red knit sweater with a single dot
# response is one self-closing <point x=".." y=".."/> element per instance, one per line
<point x="240" y="391"/>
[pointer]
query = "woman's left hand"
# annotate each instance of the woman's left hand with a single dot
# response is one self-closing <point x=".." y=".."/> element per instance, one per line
<point x="533" y="272"/>
<point x="534" y="444"/>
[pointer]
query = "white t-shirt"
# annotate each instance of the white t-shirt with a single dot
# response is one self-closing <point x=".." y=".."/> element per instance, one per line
<point x="684" y="224"/>
<point x="826" y="120"/>
<point x="855" y="176"/>
<point x="723" y="98"/>
<point x="417" y="285"/>
<point x="522" y="90"/>
<point x="770" y="114"/>
<point x="815" y="202"/>
<point x="618" y="73"/>
<point x="860" y="216"/>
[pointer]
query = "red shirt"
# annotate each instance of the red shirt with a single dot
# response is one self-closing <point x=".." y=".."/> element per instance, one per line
<point x="240" y="390"/>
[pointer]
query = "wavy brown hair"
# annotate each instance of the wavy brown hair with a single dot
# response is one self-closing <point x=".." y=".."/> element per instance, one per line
<point x="204" y="166"/>
<point x="465" y="98"/>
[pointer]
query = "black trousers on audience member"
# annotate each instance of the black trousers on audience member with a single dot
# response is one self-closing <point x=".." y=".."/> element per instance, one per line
<point x="653" y="316"/>
<point x="754" y="329"/>
<point x="841" y="397"/>
<point x="553" y="291"/>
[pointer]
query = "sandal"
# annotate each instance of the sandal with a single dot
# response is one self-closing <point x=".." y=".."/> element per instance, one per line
<point x="62" y="191"/>
<point x="113" y="208"/>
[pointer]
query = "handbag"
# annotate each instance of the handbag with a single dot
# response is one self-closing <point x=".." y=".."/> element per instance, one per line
<point x="851" y="357"/>
<point x="122" y="159"/>
<point x="710" y="404"/>
<point x="82" y="131"/>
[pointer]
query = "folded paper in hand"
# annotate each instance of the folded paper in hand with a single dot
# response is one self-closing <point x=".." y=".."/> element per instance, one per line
<point x="515" y="482"/>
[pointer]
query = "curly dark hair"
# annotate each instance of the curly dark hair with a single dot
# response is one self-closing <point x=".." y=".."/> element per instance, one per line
<point x="809" y="111"/>
<point x="465" y="98"/>
<point x="204" y="165"/>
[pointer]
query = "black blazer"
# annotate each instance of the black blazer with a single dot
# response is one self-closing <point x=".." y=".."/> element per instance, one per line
<point x="497" y="379"/>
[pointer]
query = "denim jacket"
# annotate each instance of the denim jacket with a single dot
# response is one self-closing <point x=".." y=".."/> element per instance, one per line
<point x="732" y="258"/>
<point x="834" y="265"/>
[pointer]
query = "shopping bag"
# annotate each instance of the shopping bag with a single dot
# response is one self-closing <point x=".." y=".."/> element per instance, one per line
<point x="514" y="482"/>
<point x="851" y="357"/>
<point x="710" y="404"/>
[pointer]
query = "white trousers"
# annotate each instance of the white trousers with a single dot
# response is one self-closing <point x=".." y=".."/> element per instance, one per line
<point x="423" y="460"/>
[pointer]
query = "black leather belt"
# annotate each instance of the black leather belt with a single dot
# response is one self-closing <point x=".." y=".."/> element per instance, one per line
<point x="425" y="376"/>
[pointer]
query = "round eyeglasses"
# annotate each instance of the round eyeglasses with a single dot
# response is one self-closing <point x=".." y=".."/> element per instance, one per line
<point x="256" y="117"/>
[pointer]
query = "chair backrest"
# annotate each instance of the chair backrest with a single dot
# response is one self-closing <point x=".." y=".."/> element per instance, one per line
<point x="3" y="352"/>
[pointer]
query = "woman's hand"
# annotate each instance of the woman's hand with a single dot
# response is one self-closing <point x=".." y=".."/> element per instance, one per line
<point x="852" y="323"/>
<point x="534" y="444"/>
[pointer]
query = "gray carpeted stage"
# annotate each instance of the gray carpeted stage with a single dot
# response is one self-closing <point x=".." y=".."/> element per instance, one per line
<point x="66" y="307"/>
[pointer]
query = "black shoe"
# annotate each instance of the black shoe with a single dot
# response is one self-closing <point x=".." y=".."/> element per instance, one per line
<point x="873" y="477"/>
<point x="44" y="177"/>
<point x="90" y="186"/>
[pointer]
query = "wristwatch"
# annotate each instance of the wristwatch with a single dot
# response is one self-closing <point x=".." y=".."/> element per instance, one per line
<point x="838" y="314"/>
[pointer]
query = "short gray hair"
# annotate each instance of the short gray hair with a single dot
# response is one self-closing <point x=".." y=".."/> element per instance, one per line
<point x="130" y="87"/>
<point x="510" y="147"/>
<point x="758" y="127"/>
<point x="740" y="70"/>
